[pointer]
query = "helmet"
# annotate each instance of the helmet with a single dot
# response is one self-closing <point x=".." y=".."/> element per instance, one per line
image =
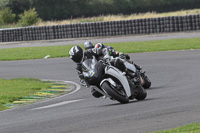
<point x="99" y="46"/>
<point x="88" y="45"/>
<point x="76" y="54"/>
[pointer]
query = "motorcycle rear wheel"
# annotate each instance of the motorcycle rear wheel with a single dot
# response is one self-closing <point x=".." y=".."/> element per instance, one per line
<point x="141" y="93"/>
<point x="147" y="82"/>
<point x="120" y="96"/>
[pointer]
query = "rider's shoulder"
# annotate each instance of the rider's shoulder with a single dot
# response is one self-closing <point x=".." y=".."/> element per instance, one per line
<point x="89" y="50"/>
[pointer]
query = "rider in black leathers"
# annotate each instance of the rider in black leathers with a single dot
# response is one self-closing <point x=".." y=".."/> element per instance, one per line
<point x="102" y="51"/>
<point x="78" y="55"/>
<point x="112" y="52"/>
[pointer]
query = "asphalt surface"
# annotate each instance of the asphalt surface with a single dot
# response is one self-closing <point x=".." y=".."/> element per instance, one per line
<point x="111" y="39"/>
<point x="173" y="100"/>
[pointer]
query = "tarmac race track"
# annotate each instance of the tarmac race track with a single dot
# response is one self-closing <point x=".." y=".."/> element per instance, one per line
<point x="173" y="100"/>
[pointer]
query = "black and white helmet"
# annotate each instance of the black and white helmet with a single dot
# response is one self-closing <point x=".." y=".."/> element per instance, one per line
<point x="88" y="45"/>
<point x="76" y="54"/>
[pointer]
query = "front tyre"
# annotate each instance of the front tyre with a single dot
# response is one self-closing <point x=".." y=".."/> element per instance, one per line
<point x="115" y="93"/>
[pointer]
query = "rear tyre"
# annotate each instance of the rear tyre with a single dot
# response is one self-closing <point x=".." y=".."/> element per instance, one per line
<point x="147" y="82"/>
<point x="141" y="93"/>
<point x="115" y="93"/>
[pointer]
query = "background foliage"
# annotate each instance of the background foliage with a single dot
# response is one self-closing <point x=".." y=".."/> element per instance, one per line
<point x="29" y="17"/>
<point x="6" y="16"/>
<point x="65" y="9"/>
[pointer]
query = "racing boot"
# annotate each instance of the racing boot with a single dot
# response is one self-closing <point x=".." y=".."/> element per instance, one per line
<point x="95" y="93"/>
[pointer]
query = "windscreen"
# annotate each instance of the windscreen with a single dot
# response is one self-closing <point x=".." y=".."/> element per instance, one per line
<point x="89" y="64"/>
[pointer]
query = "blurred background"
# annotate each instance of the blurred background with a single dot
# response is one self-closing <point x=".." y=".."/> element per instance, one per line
<point x="19" y="13"/>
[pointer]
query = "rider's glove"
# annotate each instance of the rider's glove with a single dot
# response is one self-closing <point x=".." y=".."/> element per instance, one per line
<point x="122" y="56"/>
<point x="127" y="56"/>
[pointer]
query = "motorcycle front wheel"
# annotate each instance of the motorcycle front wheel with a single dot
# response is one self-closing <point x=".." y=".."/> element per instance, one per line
<point x="117" y="94"/>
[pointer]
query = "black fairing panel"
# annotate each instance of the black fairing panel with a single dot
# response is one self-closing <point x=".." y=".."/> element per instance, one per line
<point x="98" y="72"/>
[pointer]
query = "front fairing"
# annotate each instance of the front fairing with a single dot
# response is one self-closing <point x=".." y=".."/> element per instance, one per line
<point x="89" y="65"/>
<point x="114" y="72"/>
<point x="92" y="70"/>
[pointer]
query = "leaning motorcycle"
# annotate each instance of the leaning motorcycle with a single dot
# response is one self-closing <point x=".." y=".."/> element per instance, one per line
<point x="110" y="82"/>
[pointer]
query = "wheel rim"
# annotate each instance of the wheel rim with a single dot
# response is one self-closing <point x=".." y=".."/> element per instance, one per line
<point x="119" y="90"/>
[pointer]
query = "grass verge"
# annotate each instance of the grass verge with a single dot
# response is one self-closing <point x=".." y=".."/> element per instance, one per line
<point x="127" y="47"/>
<point x="190" y="128"/>
<point x="14" y="89"/>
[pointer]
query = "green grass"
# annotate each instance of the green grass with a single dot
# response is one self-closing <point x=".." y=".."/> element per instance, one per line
<point x="190" y="128"/>
<point x="127" y="47"/>
<point x="33" y="52"/>
<point x="162" y="45"/>
<point x="14" y="89"/>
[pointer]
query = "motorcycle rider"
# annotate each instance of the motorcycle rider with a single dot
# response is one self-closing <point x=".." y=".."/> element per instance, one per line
<point x="114" y="53"/>
<point x="78" y="56"/>
<point x="88" y="45"/>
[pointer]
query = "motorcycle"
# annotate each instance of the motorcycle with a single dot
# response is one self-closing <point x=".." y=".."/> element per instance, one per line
<point x="109" y="81"/>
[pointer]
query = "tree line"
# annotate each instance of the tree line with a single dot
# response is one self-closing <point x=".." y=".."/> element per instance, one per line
<point x="66" y="9"/>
